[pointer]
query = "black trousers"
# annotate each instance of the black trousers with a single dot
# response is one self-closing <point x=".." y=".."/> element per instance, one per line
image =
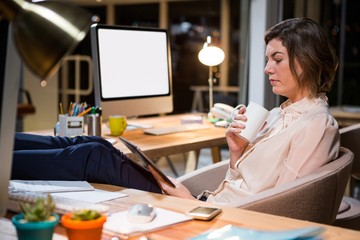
<point x="85" y="158"/>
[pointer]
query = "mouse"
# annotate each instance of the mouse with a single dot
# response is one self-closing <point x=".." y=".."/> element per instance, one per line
<point x="141" y="213"/>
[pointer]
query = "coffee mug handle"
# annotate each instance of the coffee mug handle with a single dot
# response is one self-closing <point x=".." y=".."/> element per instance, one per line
<point x="236" y="110"/>
<point x="124" y="123"/>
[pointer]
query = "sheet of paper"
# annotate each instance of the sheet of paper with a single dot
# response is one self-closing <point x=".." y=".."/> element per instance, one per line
<point x="117" y="223"/>
<point x="96" y="196"/>
<point x="50" y="186"/>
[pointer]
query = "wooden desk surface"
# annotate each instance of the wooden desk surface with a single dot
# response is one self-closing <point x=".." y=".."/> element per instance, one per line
<point x="234" y="216"/>
<point x="164" y="145"/>
<point x="203" y="88"/>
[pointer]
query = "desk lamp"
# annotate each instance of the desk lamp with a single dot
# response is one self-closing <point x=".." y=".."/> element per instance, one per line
<point x="211" y="55"/>
<point x="44" y="32"/>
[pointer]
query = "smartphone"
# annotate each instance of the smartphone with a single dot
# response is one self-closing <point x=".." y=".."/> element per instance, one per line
<point x="204" y="213"/>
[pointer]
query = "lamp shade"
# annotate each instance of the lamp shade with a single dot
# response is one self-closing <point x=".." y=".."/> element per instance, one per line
<point x="44" y="32"/>
<point x="211" y="55"/>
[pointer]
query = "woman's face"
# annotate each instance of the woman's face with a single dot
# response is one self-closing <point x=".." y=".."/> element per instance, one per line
<point x="277" y="67"/>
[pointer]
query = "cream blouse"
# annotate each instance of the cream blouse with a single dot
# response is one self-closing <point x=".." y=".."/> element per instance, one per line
<point x="297" y="139"/>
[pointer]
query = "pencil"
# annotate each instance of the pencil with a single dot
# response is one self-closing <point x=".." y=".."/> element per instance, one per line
<point x="84" y="112"/>
<point x="61" y="109"/>
<point x="70" y="108"/>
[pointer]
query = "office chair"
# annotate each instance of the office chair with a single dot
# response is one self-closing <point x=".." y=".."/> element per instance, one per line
<point x="349" y="212"/>
<point x="315" y="197"/>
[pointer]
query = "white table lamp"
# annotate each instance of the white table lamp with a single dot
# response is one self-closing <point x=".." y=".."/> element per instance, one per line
<point x="211" y="55"/>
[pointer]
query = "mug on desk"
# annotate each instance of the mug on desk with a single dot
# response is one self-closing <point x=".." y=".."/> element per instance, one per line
<point x="256" y="116"/>
<point x="117" y="124"/>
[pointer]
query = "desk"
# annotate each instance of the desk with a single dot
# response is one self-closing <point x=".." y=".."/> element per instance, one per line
<point x="346" y="115"/>
<point x="197" y="103"/>
<point x="234" y="216"/>
<point x="165" y="145"/>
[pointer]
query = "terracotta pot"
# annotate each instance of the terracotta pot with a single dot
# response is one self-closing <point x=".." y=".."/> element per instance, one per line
<point x="83" y="230"/>
<point x="34" y="230"/>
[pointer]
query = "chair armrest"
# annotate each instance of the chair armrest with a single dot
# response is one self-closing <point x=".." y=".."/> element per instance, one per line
<point x="315" y="197"/>
<point x="206" y="178"/>
<point x="289" y="200"/>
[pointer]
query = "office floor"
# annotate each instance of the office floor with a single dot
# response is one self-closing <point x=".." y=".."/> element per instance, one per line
<point x="179" y="161"/>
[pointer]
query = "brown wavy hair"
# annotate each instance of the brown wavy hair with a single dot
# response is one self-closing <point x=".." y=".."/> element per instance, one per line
<point x="309" y="44"/>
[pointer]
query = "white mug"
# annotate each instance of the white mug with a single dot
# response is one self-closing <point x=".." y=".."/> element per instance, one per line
<point x="256" y="116"/>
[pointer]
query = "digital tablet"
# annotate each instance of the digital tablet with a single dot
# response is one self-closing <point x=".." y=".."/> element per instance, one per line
<point x="144" y="159"/>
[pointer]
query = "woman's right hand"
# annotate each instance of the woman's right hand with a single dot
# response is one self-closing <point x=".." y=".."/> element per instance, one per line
<point x="236" y="144"/>
<point x="178" y="191"/>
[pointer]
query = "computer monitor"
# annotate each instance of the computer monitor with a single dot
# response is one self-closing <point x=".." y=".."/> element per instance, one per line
<point x="10" y="66"/>
<point x="132" y="70"/>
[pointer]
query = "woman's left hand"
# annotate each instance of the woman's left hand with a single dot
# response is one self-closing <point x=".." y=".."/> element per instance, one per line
<point x="178" y="191"/>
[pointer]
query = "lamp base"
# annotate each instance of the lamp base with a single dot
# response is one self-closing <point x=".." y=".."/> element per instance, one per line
<point x="211" y="118"/>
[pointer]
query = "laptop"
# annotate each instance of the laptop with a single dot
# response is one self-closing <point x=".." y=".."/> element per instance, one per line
<point x="144" y="159"/>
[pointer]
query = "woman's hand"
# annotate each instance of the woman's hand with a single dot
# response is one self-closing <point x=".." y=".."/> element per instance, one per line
<point x="236" y="144"/>
<point x="178" y="191"/>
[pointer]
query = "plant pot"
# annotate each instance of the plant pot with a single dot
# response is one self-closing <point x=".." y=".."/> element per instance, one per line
<point x="83" y="230"/>
<point x="34" y="230"/>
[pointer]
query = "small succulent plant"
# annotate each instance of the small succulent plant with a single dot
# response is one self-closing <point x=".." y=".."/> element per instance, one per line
<point x="39" y="211"/>
<point x="85" y="215"/>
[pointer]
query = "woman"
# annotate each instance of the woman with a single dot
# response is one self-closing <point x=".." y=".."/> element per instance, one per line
<point x="300" y="135"/>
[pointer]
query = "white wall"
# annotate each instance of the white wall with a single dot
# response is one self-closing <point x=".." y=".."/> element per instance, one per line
<point x="45" y="100"/>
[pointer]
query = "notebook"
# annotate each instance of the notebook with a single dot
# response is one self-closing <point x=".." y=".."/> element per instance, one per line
<point x="50" y="186"/>
<point x="146" y="161"/>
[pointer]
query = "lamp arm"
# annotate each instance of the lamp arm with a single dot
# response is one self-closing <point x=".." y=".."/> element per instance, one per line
<point x="211" y="83"/>
<point x="9" y="8"/>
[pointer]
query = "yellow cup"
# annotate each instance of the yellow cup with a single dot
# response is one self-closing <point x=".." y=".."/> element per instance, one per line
<point x="117" y="124"/>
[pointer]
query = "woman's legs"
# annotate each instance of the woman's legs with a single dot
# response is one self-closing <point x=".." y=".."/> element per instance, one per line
<point x="80" y="159"/>
<point x="25" y="141"/>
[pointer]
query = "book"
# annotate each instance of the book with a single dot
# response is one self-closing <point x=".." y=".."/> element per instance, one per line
<point x="234" y="232"/>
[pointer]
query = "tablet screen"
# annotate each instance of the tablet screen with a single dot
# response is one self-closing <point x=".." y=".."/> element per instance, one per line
<point x="144" y="159"/>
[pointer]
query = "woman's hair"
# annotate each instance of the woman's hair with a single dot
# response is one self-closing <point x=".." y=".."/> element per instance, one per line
<point x="308" y="43"/>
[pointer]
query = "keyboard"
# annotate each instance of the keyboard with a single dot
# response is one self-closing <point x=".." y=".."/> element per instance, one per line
<point x="176" y="129"/>
<point x="62" y="205"/>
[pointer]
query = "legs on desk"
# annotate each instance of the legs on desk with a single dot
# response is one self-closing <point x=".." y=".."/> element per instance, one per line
<point x="92" y="159"/>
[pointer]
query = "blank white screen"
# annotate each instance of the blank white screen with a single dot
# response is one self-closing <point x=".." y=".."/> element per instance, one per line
<point x="133" y="63"/>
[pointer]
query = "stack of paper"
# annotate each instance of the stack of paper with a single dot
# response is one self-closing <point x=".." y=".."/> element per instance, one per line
<point x="118" y="224"/>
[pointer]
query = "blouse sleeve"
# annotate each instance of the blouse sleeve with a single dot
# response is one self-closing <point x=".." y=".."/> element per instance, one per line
<point x="315" y="143"/>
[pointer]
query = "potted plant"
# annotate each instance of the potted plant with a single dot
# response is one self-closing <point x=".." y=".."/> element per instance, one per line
<point x="83" y="224"/>
<point x="36" y="221"/>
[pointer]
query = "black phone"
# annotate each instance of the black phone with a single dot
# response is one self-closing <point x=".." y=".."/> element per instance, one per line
<point x="204" y="213"/>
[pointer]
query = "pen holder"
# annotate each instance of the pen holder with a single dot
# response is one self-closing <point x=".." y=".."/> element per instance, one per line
<point x="93" y="124"/>
<point x="70" y="126"/>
